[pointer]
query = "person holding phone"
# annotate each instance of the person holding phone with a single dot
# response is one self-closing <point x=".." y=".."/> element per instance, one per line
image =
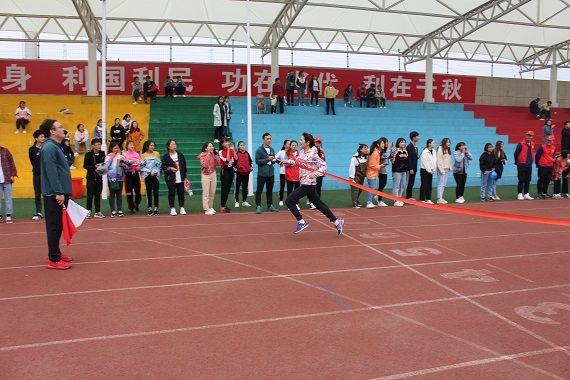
<point x="461" y="159"/>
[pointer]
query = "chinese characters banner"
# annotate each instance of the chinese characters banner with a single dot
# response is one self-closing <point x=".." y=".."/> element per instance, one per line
<point x="70" y="77"/>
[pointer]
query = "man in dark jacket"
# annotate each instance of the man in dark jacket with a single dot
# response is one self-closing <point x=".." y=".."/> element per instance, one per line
<point x="34" y="155"/>
<point x="290" y="87"/>
<point x="265" y="158"/>
<point x="534" y="107"/>
<point x="413" y="157"/>
<point x="524" y="155"/>
<point x="56" y="189"/>
<point x="94" y="181"/>
<point x="565" y="138"/>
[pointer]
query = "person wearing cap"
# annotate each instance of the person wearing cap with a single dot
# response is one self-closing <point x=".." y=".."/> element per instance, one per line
<point x="524" y="154"/>
<point x="545" y="162"/>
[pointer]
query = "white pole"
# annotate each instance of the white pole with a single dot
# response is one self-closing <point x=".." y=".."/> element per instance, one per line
<point x="248" y="102"/>
<point x="104" y="87"/>
<point x="553" y="93"/>
<point x="428" y="95"/>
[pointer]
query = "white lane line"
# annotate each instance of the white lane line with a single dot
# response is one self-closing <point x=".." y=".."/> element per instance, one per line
<point x="474" y="363"/>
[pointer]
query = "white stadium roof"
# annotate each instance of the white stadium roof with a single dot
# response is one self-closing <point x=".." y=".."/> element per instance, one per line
<point x="529" y="33"/>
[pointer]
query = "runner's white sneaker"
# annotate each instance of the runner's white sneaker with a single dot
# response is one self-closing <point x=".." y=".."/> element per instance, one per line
<point x="528" y="197"/>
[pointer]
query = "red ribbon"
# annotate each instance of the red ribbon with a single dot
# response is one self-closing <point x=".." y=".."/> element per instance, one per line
<point x="456" y="210"/>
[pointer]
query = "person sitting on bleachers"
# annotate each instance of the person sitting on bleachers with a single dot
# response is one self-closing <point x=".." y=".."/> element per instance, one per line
<point x="179" y="87"/>
<point x="534" y="107"/>
<point x="168" y="87"/>
<point x="23" y="116"/>
<point x="380" y="98"/>
<point x="150" y="89"/>
<point x="361" y="93"/>
<point x="371" y="100"/>
<point x="137" y="90"/>
<point x="81" y="137"/>
<point x="545" y="110"/>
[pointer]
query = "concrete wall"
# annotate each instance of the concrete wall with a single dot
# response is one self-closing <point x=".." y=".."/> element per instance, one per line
<point x="517" y="92"/>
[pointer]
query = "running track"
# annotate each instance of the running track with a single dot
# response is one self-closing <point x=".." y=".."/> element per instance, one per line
<point x="406" y="292"/>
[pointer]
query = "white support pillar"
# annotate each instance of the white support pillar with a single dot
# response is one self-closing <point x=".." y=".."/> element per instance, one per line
<point x="92" y="69"/>
<point x="553" y="94"/>
<point x="248" y="101"/>
<point x="428" y="97"/>
<point x="274" y="64"/>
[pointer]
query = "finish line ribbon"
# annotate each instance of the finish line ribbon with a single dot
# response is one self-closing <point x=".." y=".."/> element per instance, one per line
<point x="452" y="209"/>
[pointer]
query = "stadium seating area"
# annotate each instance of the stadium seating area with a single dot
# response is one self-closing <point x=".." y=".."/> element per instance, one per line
<point x="84" y="110"/>
<point x="351" y="126"/>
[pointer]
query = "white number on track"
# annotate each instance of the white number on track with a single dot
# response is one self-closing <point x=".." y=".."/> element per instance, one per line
<point x="546" y="308"/>
<point x="471" y="275"/>
<point x="416" y="251"/>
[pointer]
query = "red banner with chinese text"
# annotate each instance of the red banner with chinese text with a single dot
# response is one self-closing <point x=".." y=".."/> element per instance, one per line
<point x="70" y="77"/>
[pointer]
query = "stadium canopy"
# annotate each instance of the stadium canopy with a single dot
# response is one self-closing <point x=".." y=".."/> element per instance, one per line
<point x="530" y="33"/>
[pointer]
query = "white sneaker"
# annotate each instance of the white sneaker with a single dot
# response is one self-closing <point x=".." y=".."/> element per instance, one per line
<point x="209" y="212"/>
<point x="245" y="204"/>
<point x="236" y="205"/>
<point x="135" y="103"/>
<point x="528" y="197"/>
<point x="182" y="211"/>
<point x="281" y="203"/>
<point x="398" y="204"/>
<point x="312" y="206"/>
<point x="496" y="197"/>
<point x="442" y="201"/>
<point x="36" y="217"/>
<point x="429" y="202"/>
<point x="520" y="197"/>
<point x="17" y="131"/>
<point x="24" y="131"/>
<point x="460" y="200"/>
<point x="557" y="196"/>
<point x="382" y="204"/>
<point x="173" y="211"/>
<point x="75" y="154"/>
<point x="212" y="210"/>
<point x="370" y="205"/>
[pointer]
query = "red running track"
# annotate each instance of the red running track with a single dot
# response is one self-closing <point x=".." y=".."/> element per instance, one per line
<point x="406" y="292"/>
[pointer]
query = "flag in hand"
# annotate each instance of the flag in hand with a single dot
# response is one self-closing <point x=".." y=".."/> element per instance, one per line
<point x="72" y="217"/>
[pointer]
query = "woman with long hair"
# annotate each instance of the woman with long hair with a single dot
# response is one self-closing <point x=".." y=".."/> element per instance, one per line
<point x="357" y="172"/>
<point x="220" y="120"/>
<point x="228" y="158"/>
<point x="150" y="172"/>
<point x="500" y="162"/>
<point x="310" y="167"/>
<point x="461" y="160"/>
<point x="132" y="178"/>
<point x="400" y="170"/>
<point x="372" y="170"/>
<point x="386" y="157"/>
<point x="487" y="165"/>
<point x="281" y="156"/>
<point x="443" y="161"/>
<point x="174" y="167"/>
<point x="136" y="135"/>
<point x="209" y="159"/>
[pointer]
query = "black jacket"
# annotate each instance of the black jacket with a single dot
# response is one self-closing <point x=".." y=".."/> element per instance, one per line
<point x="167" y="162"/>
<point x="487" y="162"/>
<point x="413" y="157"/>
<point x="90" y="162"/>
<point x="565" y="141"/>
<point x="118" y="133"/>
<point x="34" y="154"/>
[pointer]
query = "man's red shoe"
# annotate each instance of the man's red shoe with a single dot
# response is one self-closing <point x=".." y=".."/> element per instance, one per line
<point x="61" y="265"/>
<point x="65" y="258"/>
